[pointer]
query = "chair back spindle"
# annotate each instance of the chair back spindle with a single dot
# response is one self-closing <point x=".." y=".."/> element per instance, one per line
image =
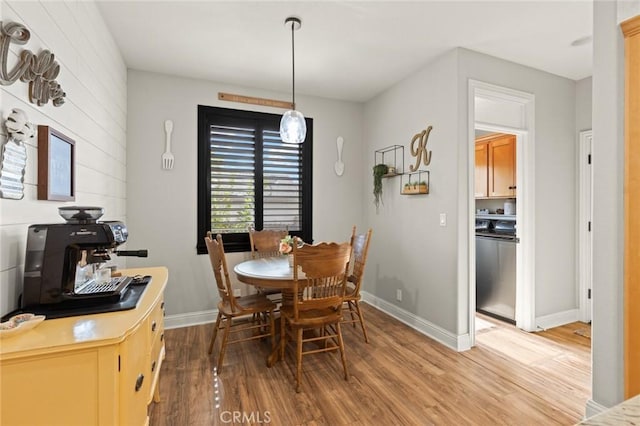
<point x="360" y="246"/>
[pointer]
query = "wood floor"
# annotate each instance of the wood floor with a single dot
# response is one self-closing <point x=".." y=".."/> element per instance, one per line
<point x="401" y="377"/>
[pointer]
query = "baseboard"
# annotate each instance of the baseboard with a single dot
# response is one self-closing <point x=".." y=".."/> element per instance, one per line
<point x="189" y="319"/>
<point x="592" y="408"/>
<point x="557" y="319"/>
<point x="457" y="343"/>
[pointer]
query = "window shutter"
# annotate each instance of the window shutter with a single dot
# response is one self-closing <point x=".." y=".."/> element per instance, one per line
<point x="282" y="183"/>
<point x="232" y="178"/>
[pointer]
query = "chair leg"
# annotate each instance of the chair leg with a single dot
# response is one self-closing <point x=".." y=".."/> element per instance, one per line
<point x="298" y="357"/>
<point x="283" y="336"/>
<point x="215" y="332"/>
<point x="353" y="318"/>
<point x="272" y="328"/>
<point x="364" y="329"/>
<point x="225" y="337"/>
<point x="342" y="354"/>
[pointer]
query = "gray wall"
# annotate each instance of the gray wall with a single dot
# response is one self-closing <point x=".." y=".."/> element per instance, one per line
<point x="162" y="204"/>
<point x="409" y="250"/>
<point x="555" y="185"/>
<point x="412" y="252"/>
<point x="608" y="233"/>
<point x="94" y="76"/>
<point x="584" y="94"/>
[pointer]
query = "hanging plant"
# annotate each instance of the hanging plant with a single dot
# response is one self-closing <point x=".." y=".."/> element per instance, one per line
<point x="379" y="170"/>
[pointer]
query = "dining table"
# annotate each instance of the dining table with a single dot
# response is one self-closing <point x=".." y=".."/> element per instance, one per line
<point x="267" y="272"/>
<point x="273" y="273"/>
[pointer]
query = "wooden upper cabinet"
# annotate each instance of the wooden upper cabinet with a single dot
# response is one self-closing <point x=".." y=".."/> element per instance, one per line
<point x="482" y="170"/>
<point x="497" y="152"/>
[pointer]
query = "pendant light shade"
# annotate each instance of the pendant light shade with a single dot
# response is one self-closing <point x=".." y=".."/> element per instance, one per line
<point x="293" y="128"/>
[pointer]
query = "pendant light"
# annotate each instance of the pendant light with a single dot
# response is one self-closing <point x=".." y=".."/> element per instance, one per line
<point x="293" y="128"/>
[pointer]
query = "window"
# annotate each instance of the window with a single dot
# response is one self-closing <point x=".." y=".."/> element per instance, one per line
<point x="247" y="176"/>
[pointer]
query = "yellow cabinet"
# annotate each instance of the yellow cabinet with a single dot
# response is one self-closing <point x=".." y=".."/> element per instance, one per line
<point x="98" y="369"/>
<point x="495" y="168"/>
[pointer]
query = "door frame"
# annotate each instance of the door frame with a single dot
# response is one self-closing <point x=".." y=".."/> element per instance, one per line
<point x="525" y="196"/>
<point x="585" y="215"/>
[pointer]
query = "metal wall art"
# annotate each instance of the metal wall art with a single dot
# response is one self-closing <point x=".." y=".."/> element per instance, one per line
<point x="14" y="155"/>
<point x="420" y="151"/>
<point x="40" y="71"/>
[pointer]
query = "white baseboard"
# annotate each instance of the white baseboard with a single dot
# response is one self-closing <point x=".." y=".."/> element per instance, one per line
<point x="592" y="408"/>
<point x="457" y="343"/>
<point x="189" y="319"/>
<point x="557" y="319"/>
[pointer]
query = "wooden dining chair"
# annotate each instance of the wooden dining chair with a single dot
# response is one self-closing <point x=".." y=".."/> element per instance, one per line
<point x="317" y="301"/>
<point x="266" y="243"/>
<point x="360" y="247"/>
<point x="248" y="314"/>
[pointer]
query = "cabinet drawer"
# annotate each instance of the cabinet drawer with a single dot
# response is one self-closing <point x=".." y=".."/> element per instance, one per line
<point x="156" y="323"/>
<point x="155" y="363"/>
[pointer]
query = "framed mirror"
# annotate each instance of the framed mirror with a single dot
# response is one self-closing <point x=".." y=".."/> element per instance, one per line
<point x="56" y="165"/>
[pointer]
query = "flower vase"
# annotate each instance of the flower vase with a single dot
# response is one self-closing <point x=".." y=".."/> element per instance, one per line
<point x="290" y="258"/>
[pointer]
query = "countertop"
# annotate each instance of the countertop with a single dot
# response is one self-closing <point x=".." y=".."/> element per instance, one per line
<point x="494" y="216"/>
<point x="56" y="335"/>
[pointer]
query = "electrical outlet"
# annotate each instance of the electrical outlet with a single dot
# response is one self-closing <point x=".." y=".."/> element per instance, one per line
<point x="399" y="295"/>
<point x="237" y="292"/>
<point x="443" y="219"/>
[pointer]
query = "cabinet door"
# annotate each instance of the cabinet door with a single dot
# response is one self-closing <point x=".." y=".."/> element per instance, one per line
<point x="134" y="377"/>
<point x="482" y="170"/>
<point x="502" y="167"/>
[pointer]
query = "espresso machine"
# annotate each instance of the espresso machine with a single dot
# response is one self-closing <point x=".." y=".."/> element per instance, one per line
<point x="65" y="264"/>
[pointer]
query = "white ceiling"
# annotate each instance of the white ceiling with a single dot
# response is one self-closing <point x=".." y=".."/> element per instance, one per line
<point x="350" y="50"/>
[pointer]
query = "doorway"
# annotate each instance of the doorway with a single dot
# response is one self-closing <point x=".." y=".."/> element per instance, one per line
<point x="501" y="110"/>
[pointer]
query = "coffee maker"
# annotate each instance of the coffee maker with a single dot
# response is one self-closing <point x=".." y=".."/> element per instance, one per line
<point x="65" y="262"/>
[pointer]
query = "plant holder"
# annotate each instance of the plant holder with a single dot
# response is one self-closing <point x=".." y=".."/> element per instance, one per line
<point x="416" y="183"/>
<point x="379" y="170"/>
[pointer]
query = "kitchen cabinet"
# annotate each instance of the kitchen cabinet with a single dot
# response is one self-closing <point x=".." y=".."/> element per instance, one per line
<point x="495" y="166"/>
<point x="482" y="170"/>
<point x="99" y="369"/>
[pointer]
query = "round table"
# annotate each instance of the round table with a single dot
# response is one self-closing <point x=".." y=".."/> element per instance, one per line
<point x="267" y="272"/>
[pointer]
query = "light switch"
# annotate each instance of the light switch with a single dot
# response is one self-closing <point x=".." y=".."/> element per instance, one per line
<point x="443" y="219"/>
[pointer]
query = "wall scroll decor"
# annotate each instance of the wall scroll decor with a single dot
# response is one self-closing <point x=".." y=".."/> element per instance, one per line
<point x="14" y="155"/>
<point x="254" y="101"/>
<point x="56" y="171"/>
<point x="420" y="151"/>
<point x="40" y="71"/>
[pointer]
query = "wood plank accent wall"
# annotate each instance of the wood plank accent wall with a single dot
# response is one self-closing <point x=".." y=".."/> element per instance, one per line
<point x="94" y="114"/>
<point x="631" y="31"/>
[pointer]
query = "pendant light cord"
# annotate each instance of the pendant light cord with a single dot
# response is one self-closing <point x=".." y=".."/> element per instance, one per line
<point x="293" y="64"/>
